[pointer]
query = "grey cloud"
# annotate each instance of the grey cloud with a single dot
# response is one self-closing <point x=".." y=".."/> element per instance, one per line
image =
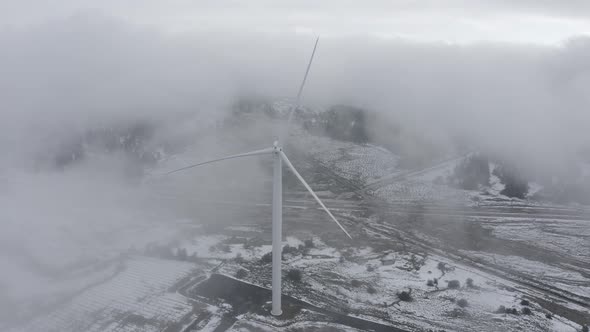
<point x="91" y="67"/>
<point x="454" y="20"/>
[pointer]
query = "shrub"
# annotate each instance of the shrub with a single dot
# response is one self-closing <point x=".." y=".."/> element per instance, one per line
<point x="239" y="259"/>
<point x="289" y="250"/>
<point x="512" y="311"/>
<point x="225" y="248"/>
<point x="370" y="268"/>
<point x="309" y="244"/>
<point x="294" y="275"/>
<point x="405" y="296"/>
<point x="348" y="253"/>
<point x="501" y="310"/>
<point x="469" y="282"/>
<point x="525" y="302"/>
<point x="342" y="259"/>
<point x="430" y="283"/>
<point x="454" y="284"/>
<point x="355" y="283"/>
<point x="463" y="303"/>
<point x="526" y="311"/>
<point x="514" y="182"/>
<point x="346" y="123"/>
<point x="549" y="316"/>
<point x="266" y="258"/>
<point x="585" y="328"/>
<point x="371" y="289"/>
<point x="441" y="266"/>
<point x="458" y="313"/>
<point x="241" y="274"/>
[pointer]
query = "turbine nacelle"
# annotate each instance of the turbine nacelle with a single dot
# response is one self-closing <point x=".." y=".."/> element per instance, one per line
<point x="277" y="147"/>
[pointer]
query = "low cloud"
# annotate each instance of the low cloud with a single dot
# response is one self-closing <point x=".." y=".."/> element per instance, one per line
<point x="89" y="73"/>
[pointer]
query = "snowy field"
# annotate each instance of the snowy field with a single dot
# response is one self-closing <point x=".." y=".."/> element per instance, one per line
<point x="135" y="299"/>
<point x="402" y="220"/>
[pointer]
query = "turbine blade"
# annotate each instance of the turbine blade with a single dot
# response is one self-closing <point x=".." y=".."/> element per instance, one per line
<point x="300" y="92"/>
<point x="247" y="154"/>
<point x="286" y="160"/>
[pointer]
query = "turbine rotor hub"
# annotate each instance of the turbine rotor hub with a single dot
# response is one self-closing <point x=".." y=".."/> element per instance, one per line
<point x="277" y="147"/>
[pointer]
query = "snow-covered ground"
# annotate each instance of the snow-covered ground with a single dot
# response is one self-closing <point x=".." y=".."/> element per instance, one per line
<point x="104" y="291"/>
<point x="135" y="299"/>
<point x="365" y="282"/>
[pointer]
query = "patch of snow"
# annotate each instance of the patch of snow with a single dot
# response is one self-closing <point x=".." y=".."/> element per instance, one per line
<point x="138" y="291"/>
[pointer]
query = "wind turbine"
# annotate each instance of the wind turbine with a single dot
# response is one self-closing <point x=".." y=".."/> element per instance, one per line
<point x="279" y="157"/>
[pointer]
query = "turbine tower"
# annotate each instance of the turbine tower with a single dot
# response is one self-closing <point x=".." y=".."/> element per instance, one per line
<point x="279" y="157"/>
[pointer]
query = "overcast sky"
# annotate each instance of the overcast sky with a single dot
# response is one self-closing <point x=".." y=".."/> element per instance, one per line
<point x="457" y="21"/>
<point x="519" y="68"/>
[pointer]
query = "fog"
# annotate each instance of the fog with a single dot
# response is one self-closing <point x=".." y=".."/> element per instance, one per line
<point x="67" y="76"/>
<point x="87" y="68"/>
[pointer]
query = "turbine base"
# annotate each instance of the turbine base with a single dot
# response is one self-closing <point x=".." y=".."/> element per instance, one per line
<point x="276" y="313"/>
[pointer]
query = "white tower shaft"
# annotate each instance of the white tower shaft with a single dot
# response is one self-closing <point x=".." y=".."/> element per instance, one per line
<point x="277" y="196"/>
<point x="277" y="231"/>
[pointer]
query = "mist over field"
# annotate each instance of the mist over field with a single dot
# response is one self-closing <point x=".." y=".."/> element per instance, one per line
<point x="95" y="106"/>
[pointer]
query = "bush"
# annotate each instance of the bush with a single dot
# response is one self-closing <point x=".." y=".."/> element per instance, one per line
<point x="371" y="289"/>
<point x="501" y="310"/>
<point x="370" y="268"/>
<point x="239" y="259"/>
<point x="405" y="296"/>
<point x="454" y="284"/>
<point x="469" y="282"/>
<point x="463" y="303"/>
<point x="294" y="275"/>
<point x="458" y="313"/>
<point x="309" y="244"/>
<point x="585" y="328"/>
<point x="549" y="316"/>
<point x="346" y="123"/>
<point x="266" y="258"/>
<point x="241" y="274"/>
<point x="526" y="311"/>
<point x="355" y="283"/>
<point x="524" y="302"/>
<point x="512" y="311"/>
<point x="348" y="253"/>
<point x="514" y="182"/>
<point x="441" y="266"/>
<point x="225" y="248"/>
<point x="289" y="250"/>
<point x="430" y="283"/>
